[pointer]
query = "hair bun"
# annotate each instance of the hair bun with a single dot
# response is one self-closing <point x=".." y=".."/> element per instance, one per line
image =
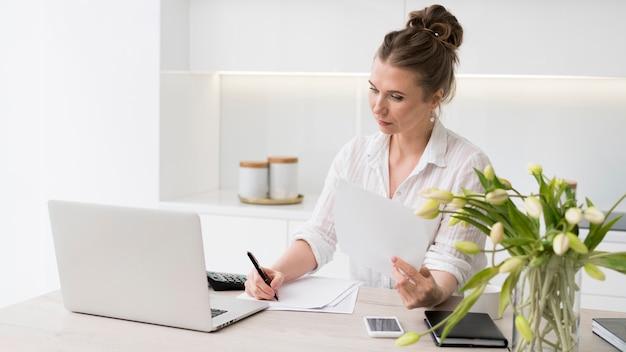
<point x="440" y="22"/>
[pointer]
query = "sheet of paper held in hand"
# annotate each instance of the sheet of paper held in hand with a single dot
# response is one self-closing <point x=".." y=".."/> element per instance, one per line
<point x="371" y="229"/>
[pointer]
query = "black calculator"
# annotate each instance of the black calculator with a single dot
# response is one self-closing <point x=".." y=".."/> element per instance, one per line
<point x="226" y="281"/>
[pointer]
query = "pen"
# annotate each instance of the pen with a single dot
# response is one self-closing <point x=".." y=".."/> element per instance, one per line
<point x="406" y="276"/>
<point x="260" y="271"/>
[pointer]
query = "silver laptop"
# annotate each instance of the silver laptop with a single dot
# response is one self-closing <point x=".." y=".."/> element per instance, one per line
<point x="144" y="265"/>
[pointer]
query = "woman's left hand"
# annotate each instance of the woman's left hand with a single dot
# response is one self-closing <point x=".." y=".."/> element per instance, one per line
<point x="419" y="288"/>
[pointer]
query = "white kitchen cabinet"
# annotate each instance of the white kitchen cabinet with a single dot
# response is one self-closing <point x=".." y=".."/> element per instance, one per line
<point x="343" y="35"/>
<point x="339" y="267"/>
<point x="289" y="36"/>
<point x="609" y="294"/>
<point x="228" y="238"/>
<point x="230" y="228"/>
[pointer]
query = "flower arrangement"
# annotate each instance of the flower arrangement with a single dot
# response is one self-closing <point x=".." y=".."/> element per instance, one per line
<point x="542" y="235"/>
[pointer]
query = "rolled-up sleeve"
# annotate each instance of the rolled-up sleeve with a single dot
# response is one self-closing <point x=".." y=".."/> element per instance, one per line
<point x="319" y="230"/>
<point x="442" y="255"/>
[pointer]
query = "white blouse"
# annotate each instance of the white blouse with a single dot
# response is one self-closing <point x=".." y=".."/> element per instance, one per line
<point x="447" y="163"/>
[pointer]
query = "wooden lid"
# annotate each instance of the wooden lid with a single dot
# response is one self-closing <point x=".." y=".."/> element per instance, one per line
<point x="254" y="164"/>
<point x="282" y="159"/>
<point x="572" y="184"/>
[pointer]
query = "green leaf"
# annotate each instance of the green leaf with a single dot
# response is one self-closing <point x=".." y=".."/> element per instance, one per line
<point x="461" y="310"/>
<point x="615" y="261"/>
<point x="506" y="292"/>
<point x="483" y="180"/>
<point x="517" y="242"/>
<point x="551" y="215"/>
<point x="474" y="223"/>
<point x="540" y="259"/>
<point x="594" y="272"/>
<point x="485" y="212"/>
<point x="598" y="231"/>
<point x="480" y="278"/>
<point x="522" y="224"/>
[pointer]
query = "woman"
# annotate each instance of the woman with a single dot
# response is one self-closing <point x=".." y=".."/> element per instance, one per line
<point x="411" y="76"/>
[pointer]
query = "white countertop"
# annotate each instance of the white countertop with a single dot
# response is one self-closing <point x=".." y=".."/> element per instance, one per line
<point x="226" y="202"/>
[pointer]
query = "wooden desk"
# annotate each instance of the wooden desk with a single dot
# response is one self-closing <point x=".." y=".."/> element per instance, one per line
<point x="43" y="324"/>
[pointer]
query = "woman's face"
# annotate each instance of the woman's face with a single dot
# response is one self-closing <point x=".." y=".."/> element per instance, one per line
<point x="397" y="102"/>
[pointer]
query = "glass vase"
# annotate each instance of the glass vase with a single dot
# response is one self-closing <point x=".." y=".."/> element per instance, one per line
<point x="548" y="296"/>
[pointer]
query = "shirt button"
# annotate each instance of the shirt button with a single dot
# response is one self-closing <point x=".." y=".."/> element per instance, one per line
<point x="398" y="193"/>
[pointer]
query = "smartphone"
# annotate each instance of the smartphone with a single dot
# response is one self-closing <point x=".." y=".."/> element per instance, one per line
<point x="383" y="326"/>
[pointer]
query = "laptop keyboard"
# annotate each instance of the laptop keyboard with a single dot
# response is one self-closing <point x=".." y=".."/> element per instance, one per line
<point x="215" y="312"/>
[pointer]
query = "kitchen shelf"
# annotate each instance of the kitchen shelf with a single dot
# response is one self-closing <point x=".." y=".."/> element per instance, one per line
<point x="226" y="202"/>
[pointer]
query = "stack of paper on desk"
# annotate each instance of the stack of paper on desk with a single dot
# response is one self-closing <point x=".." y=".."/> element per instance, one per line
<point x="316" y="294"/>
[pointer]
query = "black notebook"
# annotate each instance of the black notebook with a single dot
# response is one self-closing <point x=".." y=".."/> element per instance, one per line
<point x="474" y="330"/>
<point x="612" y="330"/>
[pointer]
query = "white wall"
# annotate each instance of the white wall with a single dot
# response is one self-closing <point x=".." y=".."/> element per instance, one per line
<point x="572" y="126"/>
<point x="21" y="238"/>
<point x="79" y="114"/>
<point x="175" y="34"/>
<point x="100" y="103"/>
<point x="310" y="117"/>
<point x="189" y="134"/>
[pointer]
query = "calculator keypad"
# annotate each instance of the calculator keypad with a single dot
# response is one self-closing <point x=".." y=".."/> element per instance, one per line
<point x="226" y="281"/>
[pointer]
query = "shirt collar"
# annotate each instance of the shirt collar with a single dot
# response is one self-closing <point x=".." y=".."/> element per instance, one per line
<point x="433" y="154"/>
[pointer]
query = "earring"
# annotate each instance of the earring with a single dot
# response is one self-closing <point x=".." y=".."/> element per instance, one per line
<point x="432" y="116"/>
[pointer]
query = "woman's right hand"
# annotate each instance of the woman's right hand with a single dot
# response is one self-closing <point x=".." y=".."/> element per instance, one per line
<point x="257" y="288"/>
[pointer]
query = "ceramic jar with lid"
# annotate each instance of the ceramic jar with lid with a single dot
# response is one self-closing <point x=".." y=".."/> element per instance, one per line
<point x="283" y="177"/>
<point x="253" y="179"/>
